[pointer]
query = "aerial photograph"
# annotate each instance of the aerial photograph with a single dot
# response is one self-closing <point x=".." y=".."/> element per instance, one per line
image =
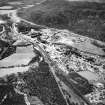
<point x="52" y="52"/>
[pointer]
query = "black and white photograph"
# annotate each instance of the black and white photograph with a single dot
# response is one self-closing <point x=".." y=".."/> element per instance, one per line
<point x="52" y="52"/>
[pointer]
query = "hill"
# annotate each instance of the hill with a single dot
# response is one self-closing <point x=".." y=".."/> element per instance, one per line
<point x="85" y="18"/>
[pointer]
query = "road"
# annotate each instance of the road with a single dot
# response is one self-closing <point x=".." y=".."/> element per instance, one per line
<point x="52" y="64"/>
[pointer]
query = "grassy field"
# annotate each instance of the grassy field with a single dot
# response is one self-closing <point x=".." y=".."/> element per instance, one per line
<point x="85" y="18"/>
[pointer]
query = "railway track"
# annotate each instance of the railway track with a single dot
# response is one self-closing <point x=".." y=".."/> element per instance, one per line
<point x="52" y="64"/>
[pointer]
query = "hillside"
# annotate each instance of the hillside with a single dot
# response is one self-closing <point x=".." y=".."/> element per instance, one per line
<point x="85" y="18"/>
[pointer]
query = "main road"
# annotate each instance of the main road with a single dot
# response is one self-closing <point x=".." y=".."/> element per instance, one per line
<point x="53" y="66"/>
